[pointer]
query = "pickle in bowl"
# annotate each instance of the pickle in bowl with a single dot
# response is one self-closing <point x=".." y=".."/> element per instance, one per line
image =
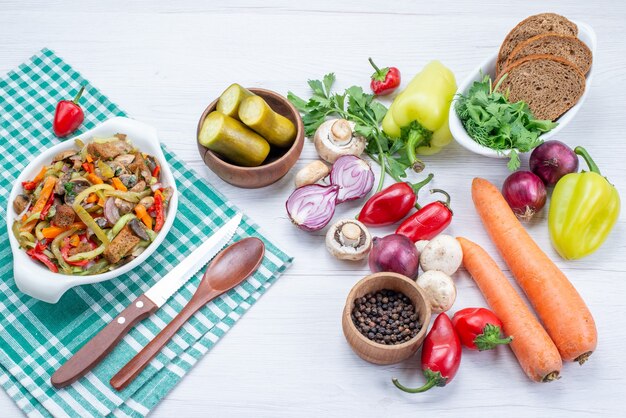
<point x="230" y="100"/>
<point x="255" y="113"/>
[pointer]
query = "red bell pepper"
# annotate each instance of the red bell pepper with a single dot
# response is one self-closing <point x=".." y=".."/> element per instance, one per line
<point x="68" y="116"/>
<point x="29" y="185"/>
<point x="441" y="355"/>
<point x="391" y="204"/>
<point x="160" y="212"/>
<point x="384" y="80"/>
<point x="156" y="171"/>
<point x="479" y="329"/>
<point x="37" y="254"/>
<point x="46" y="208"/>
<point x="429" y="221"/>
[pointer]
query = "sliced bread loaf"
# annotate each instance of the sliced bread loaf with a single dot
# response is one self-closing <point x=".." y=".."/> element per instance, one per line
<point x="564" y="46"/>
<point x="533" y="26"/>
<point x="549" y="85"/>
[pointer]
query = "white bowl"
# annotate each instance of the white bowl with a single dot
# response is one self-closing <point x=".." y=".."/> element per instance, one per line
<point x="585" y="34"/>
<point x="36" y="280"/>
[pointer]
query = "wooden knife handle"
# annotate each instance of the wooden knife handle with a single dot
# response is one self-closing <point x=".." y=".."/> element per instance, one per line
<point x="128" y="373"/>
<point x="103" y="342"/>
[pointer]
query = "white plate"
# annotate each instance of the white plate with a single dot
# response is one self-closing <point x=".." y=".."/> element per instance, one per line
<point x="36" y="280"/>
<point x="585" y="34"/>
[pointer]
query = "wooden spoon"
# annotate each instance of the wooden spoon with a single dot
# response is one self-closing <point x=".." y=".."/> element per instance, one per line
<point x="231" y="267"/>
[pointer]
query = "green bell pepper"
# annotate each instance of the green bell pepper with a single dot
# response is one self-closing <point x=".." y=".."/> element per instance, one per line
<point x="419" y="114"/>
<point x="583" y="210"/>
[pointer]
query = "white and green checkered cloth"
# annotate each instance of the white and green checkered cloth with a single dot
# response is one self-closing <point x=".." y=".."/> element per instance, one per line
<point x="37" y="337"/>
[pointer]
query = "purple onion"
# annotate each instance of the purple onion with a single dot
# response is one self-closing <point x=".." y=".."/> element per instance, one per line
<point x="552" y="160"/>
<point x="395" y="253"/>
<point x="111" y="212"/>
<point x="525" y="194"/>
<point x="311" y="207"/>
<point x="353" y="176"/>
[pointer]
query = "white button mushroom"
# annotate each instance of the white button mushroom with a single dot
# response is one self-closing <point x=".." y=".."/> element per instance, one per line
<point x="336" y="137"/>
<point x="421" y="244"/>
<point x="442" y="253"/>
<point x="440" y="289"/>
<point x="348" y="239"/>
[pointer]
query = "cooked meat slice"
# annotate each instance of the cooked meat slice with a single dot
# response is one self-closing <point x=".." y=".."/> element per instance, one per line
<point x="139" y="167"/>
<point x="63" y="155"/>
<point x="59" y="187"/>
<point x="108" y="150"/>
<point x="139" y="229"/>
<point x="120" y="136"/>
<point x="83" y="247"/>
<point x="139" y="187"/>
<point x="20" y="203"/>
<point x="121" y="245"/>
<point x="64" y="216"/>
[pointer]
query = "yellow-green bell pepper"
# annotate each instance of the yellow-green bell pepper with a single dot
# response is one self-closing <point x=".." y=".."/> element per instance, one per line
<point x="420" y="112"/>
<point x="583" y="210"/>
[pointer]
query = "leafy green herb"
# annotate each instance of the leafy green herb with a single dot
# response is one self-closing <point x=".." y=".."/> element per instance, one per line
<point x="492" y="121"/>
<point x="358" y="107"/>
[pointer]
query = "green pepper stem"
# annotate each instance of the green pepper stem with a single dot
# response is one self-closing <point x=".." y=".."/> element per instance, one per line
<point x="411" y="147"/>
<point x="80" y="93"/>
<point x="432" y="382"/>
<point x="592" y="164"/>
<point x="417" y="186"/>
<point x="443" y="192"/>
<point x="378" y="71"/>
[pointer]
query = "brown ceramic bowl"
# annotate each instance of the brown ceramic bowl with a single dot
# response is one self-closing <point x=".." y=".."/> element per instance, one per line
<point x="373" y="351"/>
<point x="278" y="162"/>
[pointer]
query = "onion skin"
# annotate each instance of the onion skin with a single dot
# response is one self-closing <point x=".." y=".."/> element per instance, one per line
<point x="312" y="207"/>
<point x="552" y="160"/>
<point x="525" y="193"/>
<point x="354" y="177"/>
<point x="394" y="253"/>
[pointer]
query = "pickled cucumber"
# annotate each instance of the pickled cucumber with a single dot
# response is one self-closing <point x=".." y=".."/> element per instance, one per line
<point x="259" y="116"/>
<point x="232" y="140"/>
<point x="230" y="100"/>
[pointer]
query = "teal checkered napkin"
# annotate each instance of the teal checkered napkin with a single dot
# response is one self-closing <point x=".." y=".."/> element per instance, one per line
<point x="37" y="337"/>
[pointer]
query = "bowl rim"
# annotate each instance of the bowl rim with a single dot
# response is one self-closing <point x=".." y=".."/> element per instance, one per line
<point x="347" y="312"/>
<point x="51" y="291"/>
<point x="458" y="130"/>
<point x="259" y="91"/>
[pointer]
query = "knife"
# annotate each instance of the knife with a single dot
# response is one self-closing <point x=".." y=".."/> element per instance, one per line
<point x="102" y="343"/>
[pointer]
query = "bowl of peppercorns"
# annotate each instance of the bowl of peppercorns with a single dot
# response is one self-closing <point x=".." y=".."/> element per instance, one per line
<point x="386" y="318"/>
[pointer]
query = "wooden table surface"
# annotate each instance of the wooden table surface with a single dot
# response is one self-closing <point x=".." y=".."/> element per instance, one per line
<point x="165" y="61"/>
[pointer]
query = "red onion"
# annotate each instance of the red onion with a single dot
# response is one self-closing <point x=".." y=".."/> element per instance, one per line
<point x="354" y="177"/>
<point x="311" y="207"/>
<point x="395" y="253"/>
<point x="552" y="160"/>
<point x="111" y="212"/>
<point x="525" y="193"/>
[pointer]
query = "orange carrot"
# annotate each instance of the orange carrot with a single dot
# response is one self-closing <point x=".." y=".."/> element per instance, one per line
<point x="94" y="179"/>
<point x="46" y="192"/>
<point x="117" y="183"/>
<point x="89" y="158"/>
<point x="142" y="214"/>
<point x="52" y="231"/>
<point x="559" y="306"/>
<point x="535" y="351"/>
<point x="40" y="175"/>
<point x="74" y="240"/>
<point x="92" y="198"/>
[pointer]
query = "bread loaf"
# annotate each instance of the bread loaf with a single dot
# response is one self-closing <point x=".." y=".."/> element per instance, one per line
<point x="563" y="46"/>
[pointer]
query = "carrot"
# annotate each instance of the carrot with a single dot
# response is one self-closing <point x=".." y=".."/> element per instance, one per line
<point x="46" y="192"/>
<point x="40" y="175"/>
<point x="93" y="179"/>
<point x="52" y="231"/>
<point x="535" y="351"/>
<point x="117" y="183"/>
<point x="559" y="306"/>
<point x="142" y="214"/>
<point x="89" y="158"/>
<point x="74" y="240"/>
<point x="92" y="198"/>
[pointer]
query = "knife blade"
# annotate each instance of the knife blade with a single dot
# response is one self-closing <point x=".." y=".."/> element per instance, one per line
<point x="102" y="343"/>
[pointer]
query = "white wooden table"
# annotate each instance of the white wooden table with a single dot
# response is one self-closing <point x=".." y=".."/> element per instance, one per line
<point x="164" y="61"/>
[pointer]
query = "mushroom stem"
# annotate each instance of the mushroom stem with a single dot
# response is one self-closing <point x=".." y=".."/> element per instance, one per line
<point x="350" y="234"/>
<point x="341" y="132"/>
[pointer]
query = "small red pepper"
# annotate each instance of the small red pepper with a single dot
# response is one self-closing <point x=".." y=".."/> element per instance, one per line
<point x="29" y="185"/>
<point x="156" y="171"/>
<point x="441" y="355"/>
<point x="384" y="80"/>
<point x="37" y="254"/>
<point x="88" y="167"/>
<point x="158" y="207"/>
<point x="46" y="208"/>
<point x="68" y="116"/>
<point x="429" y="221"/>
<point x="479" y="329"/>
<point x="391" y="204"/>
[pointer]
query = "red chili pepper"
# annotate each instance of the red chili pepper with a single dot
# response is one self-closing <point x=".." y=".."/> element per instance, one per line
<point x="88" y="167"/>
<point x="68" y="116"/>
<point x="29" y="185"/>
<point x="158" y="207"/>
<point x="37" y="254"/>
<point x="391" y="204"/>
<point x="441" y="355"/>
<point x="384" y="80"/>
<point x="46" y="208"/>
<point x="156" y="171"/>
<point x="429" y="221"/>
<point x="479" y="329"/>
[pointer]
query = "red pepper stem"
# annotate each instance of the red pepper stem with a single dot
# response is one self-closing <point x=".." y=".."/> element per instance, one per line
<point x="443" y="192"/>
<point x="378" y="71"/>
<point x="80" y="93"/>
<point x="417" y="186"/>
<point x="431" y="383"/>
<point x="593" y="167"/>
